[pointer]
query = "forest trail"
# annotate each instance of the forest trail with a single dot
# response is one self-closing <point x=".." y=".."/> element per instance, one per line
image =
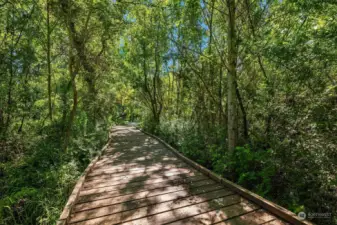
<point x="245" y="88"/>
<point x="137" y="180"/>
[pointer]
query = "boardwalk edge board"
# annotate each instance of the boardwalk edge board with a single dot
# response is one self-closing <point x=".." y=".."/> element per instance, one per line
<point x="277" y="210"/>
<point x="65" y="215"/>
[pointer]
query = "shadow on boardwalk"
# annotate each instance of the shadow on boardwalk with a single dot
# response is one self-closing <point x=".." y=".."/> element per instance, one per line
<point x="139" y="181"/>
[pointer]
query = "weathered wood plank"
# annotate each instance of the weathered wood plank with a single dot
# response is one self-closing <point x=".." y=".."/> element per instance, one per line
<point x="255" y="217"/>
<point x="125" y="167"/>
<point x="134" y="191"/>
<point x="140" y="195"/>
<point x="146" y="179"/>
<point x="219" y="215"/>
<point x="138" y="181"/>
<point x="172" y="180"/>
<point x="138" y="176"/>
<point x="130" y="212"/>
<point x="107" y="173"/>
<point x="193" y="210"/>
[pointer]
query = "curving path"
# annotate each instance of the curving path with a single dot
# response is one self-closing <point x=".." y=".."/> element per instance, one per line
<point x="139" y="181"/>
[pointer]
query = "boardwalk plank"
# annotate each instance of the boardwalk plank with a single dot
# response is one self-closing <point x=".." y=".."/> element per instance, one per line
<point x="148" y="175"/>
<point x="193" y="210"/>
<point x="218" y="215"/>
<point x="143" y="179"/>
<point x="134" y="191"/>
<point x="131" y="212"/>
<point x="276" y="222"/>
<point x="115" y="173"/>
<point x="140" y="195"/>
<point x="139" y="181"/>
<point x="253" y="218"/>
<point x="123" y="166"/>
<point x="170" y="180"/>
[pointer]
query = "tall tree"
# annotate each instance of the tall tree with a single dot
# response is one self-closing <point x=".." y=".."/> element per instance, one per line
<point x="231" y="76"/>
<point x="48" y="61"/>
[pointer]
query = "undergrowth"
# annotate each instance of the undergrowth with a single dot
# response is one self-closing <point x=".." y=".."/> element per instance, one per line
<point x="296" y="181"/>
<point x="37" y="180"/>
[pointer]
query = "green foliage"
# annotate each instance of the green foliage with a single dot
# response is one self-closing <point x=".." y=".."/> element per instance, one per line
<point x="164" y="64"/>
<point x="36" y="185"/>
<point x="263" y="171"/>
<point x="255" y="169"/>
<point x="149" y="124"/>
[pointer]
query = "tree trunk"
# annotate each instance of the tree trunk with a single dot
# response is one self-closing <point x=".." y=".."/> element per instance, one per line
<point x="220" y="97"/>
<point x="21" y="125"/>
<point x="26" y="110"/>
<point x="210" y="101"/>
<point x="78" y="42"/>
<point x="232" y="60"/>
<point x="73" y="68"/>
<point x="48" y="62"/>
<point x="243" y="111"/>
<point x="178" y="93"/>
<point x="9" y="93"/>
<point x="2" y="124"/>
<point x="73" y="110"/>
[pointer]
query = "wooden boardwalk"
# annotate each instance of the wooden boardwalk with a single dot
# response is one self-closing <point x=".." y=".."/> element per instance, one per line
<point x="139" y="181"/>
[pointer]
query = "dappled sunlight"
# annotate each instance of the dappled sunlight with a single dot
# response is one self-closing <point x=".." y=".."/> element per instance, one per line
<point x="139" y="181"/>
<point x="246" y="91"/>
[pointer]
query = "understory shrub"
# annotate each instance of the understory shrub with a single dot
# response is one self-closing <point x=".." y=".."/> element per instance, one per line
<point x="296" y="178"/>
<point x="36" y="184"/>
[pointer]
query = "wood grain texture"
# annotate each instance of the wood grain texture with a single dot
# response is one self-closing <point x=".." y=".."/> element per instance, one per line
<point x="138" y="180"/>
